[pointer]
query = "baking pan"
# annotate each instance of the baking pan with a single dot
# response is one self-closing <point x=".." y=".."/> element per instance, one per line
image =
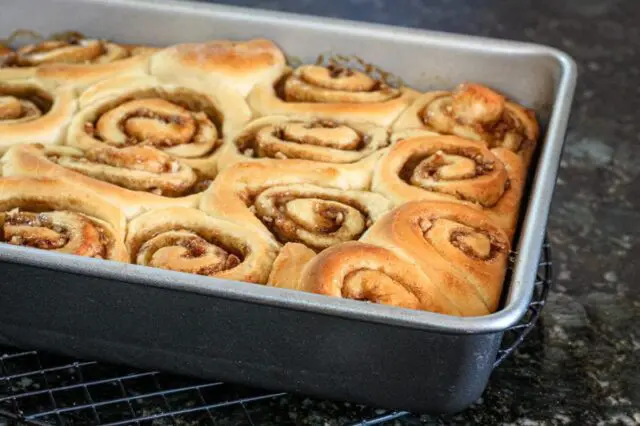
<point x="274" y="338"/>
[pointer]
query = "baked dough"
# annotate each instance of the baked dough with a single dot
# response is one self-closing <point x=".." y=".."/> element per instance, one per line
<point x="188" y="240"/>
<point x="140" y="179"/>
<point x="294" y="203"/>
<point x="184" y="118"/>
<point x="459" y="248"/>
<point x="360" y="271"/>
<point x="236" y="64"/>
<point x="351" y="146"/>
<point x="331" y="92"/>
<point x="75" y="61"/>
<point x="475" y="112"/>
<point x="32" y="112"/>
<point x="56" y="215"/>
<point x="449" y="168"/>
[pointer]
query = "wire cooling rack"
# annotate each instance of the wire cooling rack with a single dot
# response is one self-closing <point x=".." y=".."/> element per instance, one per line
<point x="38" y="388"/>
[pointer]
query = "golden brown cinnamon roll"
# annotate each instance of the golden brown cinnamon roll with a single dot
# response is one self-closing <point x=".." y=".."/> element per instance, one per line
<point x="55" y="215"/>
<point x="460" y="249"/>
<point x="449" y="168"/>
<point x="360" y="271"/>
<point x="333" y="92"/>
<point x="74" y="60"/>
<point x="351" y="145"/>
<point x="72" y="51"/>
<point x="184" y="119"/>
<point x="294" y="203"/>
<point x="135" y="179"/>
<point x="236" y="64"/>
<point x="188" y="240"/>
<point x="31" y="112"/>
<point x="474" y="112"/>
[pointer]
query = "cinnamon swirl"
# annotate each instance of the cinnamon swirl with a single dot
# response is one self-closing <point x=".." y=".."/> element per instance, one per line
<point x="474" y="112"/>
<point x="74" y="60"/>
<point x="188" y="240"/>
<point x="294" y="203"/>
<point x="449" y="168"/>
<point x="360" y="271"/>
<point x="185" y="119"/>
<point x="333" y="92"/>
<point x="55" y="215"/>
<point x="352" y="145"/>
<point x="135" y="179"/>
<point x="460" y="249"/>
<point x="30" y="112"/>
<point x="236" y="64"/>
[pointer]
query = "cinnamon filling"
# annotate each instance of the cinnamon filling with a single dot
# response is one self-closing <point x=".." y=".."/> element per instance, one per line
<point x="377" y="287"/>
<point x="336" y="71"/>
<point x="316" y="220"/>
<point x="333" y="83"/>
<point x="477" y="244"/>
<point x="68" y="232"/>
<point x="137" y="168"/>
<point x="477" y="113"/>
<point x="23" y="102"/>
<point x="183" y="124"/>
<point x="71" y="51"/>
<point x="317" y="140"/>
<point x="445" y="164"/>
<point x="186" y="251"/>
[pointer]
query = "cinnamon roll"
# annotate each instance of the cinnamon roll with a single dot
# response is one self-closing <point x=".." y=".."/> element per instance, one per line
<point x="236" y="64"/>
<point x="188" y="240"/>
<point x="449" y="168"/>
<point x="360" y="271"/>
<point x="74" y="60"/>
<point x="294" y="203"/>
<point x="184" y="119"/>
<point x="135" y="179"/>
<point x="55" y="215"/>
<point x="31" y="112"/>
<point x="460" y="249"/>
<point x="354" y="145"/>
<point x="333" y="92"/>
<point x="474" y="112"/>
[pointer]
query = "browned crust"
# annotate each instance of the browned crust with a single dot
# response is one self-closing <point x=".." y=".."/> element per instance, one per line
<point x="258" y="253"/>
<point x="225" y="197"/>
<point x="288" y="266"/>
<point x="473" y="284"/>
<point x="58" y="194"/>
<point x="240" y="65"/>
<point x="386" y="179"/>
<point x="327" y="274"/>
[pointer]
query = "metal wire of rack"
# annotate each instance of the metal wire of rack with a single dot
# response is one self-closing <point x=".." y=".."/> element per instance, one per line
<point x="38" y="388"/>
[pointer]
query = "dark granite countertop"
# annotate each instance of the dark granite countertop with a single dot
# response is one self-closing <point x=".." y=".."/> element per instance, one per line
<point x="582" y="364"/>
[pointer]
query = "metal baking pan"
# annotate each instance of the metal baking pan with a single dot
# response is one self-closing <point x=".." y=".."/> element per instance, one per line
<point x="273" y="338"/>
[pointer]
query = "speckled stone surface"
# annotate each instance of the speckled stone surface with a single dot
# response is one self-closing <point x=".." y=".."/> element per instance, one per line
<point x="582" y="365"/>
